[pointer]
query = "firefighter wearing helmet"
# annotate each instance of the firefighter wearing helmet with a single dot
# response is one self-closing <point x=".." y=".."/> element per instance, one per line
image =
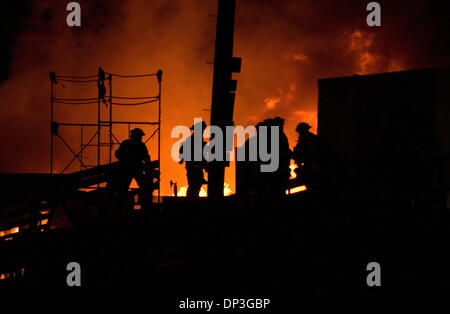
<point x="134" y="162"/>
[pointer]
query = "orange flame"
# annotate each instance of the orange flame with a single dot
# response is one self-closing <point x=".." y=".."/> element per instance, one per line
<point x="203" y="192"/>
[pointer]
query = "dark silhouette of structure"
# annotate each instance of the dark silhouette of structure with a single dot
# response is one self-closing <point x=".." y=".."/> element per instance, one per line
<point x="224" y="87"/>
<point x="194" y="166"/>
<point x="392" y="133"/>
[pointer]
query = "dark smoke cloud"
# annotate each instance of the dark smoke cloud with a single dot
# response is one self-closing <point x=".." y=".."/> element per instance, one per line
<point x="122" y="37"/>
<point x="285" y="45"/>
<point x="414" y="34"/>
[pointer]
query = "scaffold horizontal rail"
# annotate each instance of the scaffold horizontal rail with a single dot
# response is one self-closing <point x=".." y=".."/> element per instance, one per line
<point x="83" y="77"/>
<point x="143" y="97"/>
<point x="77" y="81"/>
<point x="98" y="144"/>
<point x="75" y="103"/>
<point x="76" y="99"/>
<point x="134" y="104"/>
<point x="77" y="77"/>
<point x="77" y="124"/>
<point x="131" y="76"/>
<point x="130" y="122"/>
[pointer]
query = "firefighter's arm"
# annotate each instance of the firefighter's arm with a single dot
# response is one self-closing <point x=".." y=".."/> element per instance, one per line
<point x="146" y="156"/>
<point x="117" y="153"/>
<point x="297" y="153"/>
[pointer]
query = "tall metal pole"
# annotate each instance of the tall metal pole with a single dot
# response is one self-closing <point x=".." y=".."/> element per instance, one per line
<point x="222" y="102"/>
<point x="159" y="76"/>
<point x="98" y="115"/>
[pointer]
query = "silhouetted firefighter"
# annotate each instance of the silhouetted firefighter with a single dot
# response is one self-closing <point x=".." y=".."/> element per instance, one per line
<point x="194" y="168"/>
<point x="283" y="173"/>
<point x="134" y="162"/>
<point x="316" y="160"/>
<point x="273" y="184"/>
<point x="266" y="185"/>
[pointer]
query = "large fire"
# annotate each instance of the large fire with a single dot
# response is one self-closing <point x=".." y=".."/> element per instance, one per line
<point x="285" y="47"/>
<point x="293" y="166"/>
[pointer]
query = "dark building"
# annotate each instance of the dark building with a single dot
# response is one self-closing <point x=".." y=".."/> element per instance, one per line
<point x="392" y="132"/>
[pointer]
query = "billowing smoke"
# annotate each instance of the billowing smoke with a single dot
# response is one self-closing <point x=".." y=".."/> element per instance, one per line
<point x="285" y="46"/>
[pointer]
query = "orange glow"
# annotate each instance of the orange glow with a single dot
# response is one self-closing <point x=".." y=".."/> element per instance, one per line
<point x="362" y="45"/>
<point x="9" y="231"/>
<point x="297" y="189"/>
<point x="43" y="222"/>
<point x="226" y="190"/>
<point x="300" y="57"/>
<point x="271" y="102"/>
<point x="183" y="190"/>
<point x="5" y="276"/>
<point x="203" y="192"/>
<point x="293" y="166"/>
<point x="296" y="56"/>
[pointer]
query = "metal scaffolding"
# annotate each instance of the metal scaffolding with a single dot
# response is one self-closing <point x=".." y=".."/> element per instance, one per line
<point x="108" y="100"/>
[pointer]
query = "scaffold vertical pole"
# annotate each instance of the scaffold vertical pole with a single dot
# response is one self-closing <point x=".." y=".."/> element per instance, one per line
<point x="110" y="119"/>
<point x="81" y="148"/>
<point x="51" y="122"/>
<point x="98" y="118"/>
<point x="159" y="76"/>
